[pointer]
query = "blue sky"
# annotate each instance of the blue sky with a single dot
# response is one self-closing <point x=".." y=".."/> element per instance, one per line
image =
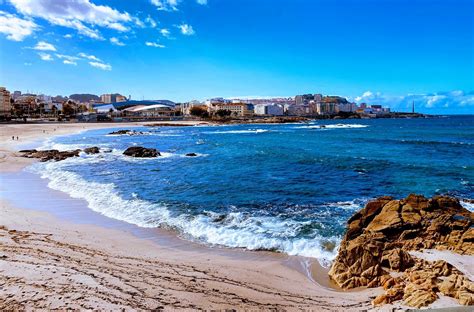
<point x="388" y="52"/>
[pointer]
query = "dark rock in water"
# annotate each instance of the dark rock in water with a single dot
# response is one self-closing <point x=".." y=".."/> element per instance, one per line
<point x="120" y="132"/>
<point x="107" y="150"/>
<point x="191" y="154"/>
<point x="51" y="154"/>
<point x="126" y="132"/>
<point x="379" y="237"/>
<point x="138" y="151"/>
<point x="28" y="151"/>
<point x="92" y="150"/>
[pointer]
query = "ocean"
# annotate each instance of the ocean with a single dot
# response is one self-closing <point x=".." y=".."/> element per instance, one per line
<point x="284" y="187"/>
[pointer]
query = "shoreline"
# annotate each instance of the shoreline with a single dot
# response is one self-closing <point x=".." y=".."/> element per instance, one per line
<point x="271" y="266"/>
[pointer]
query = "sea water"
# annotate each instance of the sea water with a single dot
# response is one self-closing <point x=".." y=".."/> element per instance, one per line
<point x="284" y="187"/>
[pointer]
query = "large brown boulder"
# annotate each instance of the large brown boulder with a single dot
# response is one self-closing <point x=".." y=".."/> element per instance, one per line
<point x="138" y="151"/>
<point x="379" y="237"/>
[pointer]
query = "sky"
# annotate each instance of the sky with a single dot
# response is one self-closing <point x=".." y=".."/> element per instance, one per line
<point x="389" y="52"/>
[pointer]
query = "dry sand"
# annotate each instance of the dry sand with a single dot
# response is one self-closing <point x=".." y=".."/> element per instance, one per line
<point x="51" y="263"/>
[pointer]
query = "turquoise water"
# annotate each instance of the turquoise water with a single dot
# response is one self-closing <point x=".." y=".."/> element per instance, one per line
<point x="289" y="188"/>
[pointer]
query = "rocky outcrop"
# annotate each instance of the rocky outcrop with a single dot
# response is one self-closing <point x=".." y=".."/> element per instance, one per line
<point x="138" y="151"/>
<point x="191" y="154"/>
<point x="126" y="132"/>
<point x="92" y="150"/>
<point x="379" y="237"/>
<point x="53" y="154"/>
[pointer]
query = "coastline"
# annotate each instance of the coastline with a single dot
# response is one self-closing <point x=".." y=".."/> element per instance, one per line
<point x="208" y="277"/>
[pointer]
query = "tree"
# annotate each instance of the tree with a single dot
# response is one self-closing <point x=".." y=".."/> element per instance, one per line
<point x="68" y="109"/>
<point x="223" y="113"/>
<point x="199" y="111"/>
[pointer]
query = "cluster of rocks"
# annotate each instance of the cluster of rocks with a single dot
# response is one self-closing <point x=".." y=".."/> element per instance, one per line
<point x="134" y="151"/>
<point x="375" y="250"/>
<point x="126" y="132"/>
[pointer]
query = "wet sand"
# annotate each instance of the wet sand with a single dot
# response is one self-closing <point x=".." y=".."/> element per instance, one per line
<point x="57" y="253"/>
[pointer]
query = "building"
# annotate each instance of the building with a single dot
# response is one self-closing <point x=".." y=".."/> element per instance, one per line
<point x="120" y="98"/>
<point x="41" y="98"/>
<point x="346" y="107"/>
<point x="186" y="107"/>
<point x="236" y="109"/>
<point x="299" y="110"/>
<point x="268" y="109"/>
<point x="326" y="108"/>
<point x="107" y="98"/>
<point x="5" y="104"/>
<point x="16" y="94"/>
<point x="149" y="111"/>
<point x="112" y="98"/>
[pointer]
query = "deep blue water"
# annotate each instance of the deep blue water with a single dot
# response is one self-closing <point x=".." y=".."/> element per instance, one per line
<point x="285" y="187"/>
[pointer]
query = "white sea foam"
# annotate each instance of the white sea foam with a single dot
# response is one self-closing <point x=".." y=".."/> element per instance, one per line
<point x="238" y="131"/>
<point x="238" y="230"/>
<point x="337" y="126"/>
<point x="468" y="205"/>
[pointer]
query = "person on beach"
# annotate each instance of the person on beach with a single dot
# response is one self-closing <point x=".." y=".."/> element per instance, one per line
<point x="13" y="137"/>
<point x="17" y="138"/>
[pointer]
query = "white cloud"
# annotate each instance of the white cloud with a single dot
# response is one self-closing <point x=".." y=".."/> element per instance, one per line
<point x="154" y="44"/>
<point x="151" y="21"/>
<point x="16" y="28"/>
<point x="68" y="36"/>
<point x="44" y="46"/>
<point x="166" y="5"/>
<point x="45" y="56"/>
<point x="165" y="32"/>
<point x="186" y="29"/>
<point x="116" y="41"/>
<point x="69" y="58"/>
<point x="27" y="64"/>
<point x="438" y="101"/>
<point x="202" y="2"/>
<point x="101" y="65"/>
<point x="68" y="62"/>
<point x="81" y="15"/>
<point x="89" y="57"/>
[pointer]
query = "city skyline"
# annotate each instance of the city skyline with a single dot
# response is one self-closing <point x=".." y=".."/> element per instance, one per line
<point x="196" y="49"/>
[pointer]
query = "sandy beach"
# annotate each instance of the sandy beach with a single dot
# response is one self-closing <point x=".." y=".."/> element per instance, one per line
<point x="52" y="262"/>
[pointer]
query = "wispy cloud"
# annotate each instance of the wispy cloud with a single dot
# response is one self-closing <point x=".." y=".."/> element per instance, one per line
<point x="186" y="29"/>
<point x="154" y="44"/>
<point x="201" y="2"/>
<point x="165" y="32"/>
<point x="68" y="62"/>
<point x="81" y="15"/>
<point x="151" y="22"/>
<point x="45" y="56"/>
<point x="166" y="5"/>
<point x="100" y="65"/>
<point x="44" y="46"/>
<point x="16" y="28"/>
<point x="89" y="57"/>
<point x="116" y="41"/>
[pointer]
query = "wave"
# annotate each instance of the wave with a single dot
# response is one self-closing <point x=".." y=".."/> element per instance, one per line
<point x="235" y="229"/>
<point x="336" y="126"/>
<point x="469" y="205"/>
<point x="239" y="131"/>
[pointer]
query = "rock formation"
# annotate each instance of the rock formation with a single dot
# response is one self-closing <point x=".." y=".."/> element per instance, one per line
<point x="126" y="132"/>
<point x="46" y="155"/>
<point x="92" y="150"/>
<point x="191" y="154"/>
<point x="138" y="151"/>
<point x="379" y="237"/>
